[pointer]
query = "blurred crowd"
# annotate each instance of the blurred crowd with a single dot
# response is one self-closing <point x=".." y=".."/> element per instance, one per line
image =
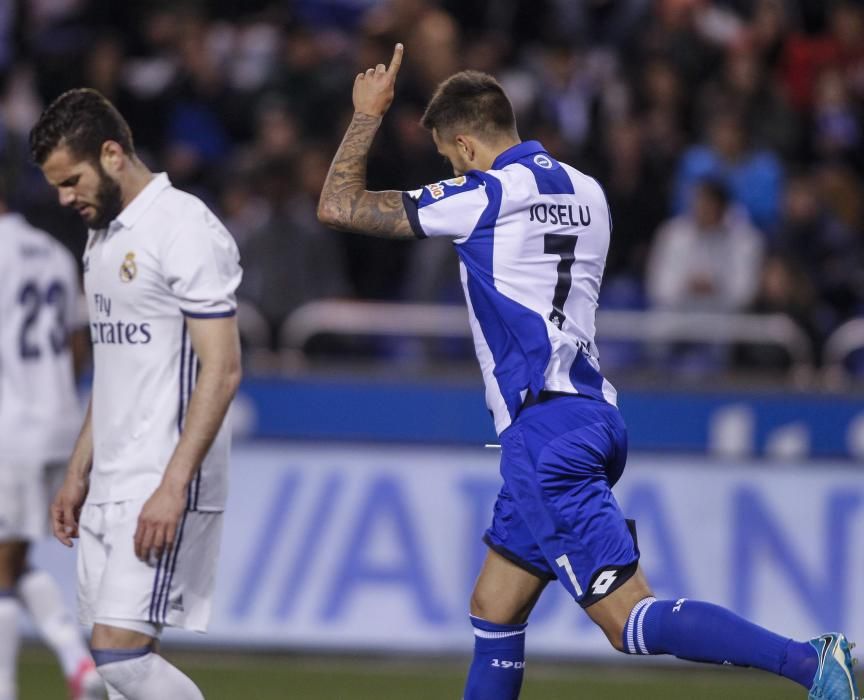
<point x="727" y="133"/>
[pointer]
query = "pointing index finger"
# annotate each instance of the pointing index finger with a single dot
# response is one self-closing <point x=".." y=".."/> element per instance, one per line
<point x="396" y="61"/>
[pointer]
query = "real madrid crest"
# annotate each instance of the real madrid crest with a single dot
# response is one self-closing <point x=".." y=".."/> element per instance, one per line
<point x="128" y="269"/>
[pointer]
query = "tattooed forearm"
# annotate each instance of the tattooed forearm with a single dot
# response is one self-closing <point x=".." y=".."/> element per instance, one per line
<point x="381" y="214"/>
<point x="345" y="203"/>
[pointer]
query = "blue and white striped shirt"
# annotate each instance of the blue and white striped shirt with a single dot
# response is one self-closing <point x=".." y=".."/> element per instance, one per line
<point x="532" y="236"/>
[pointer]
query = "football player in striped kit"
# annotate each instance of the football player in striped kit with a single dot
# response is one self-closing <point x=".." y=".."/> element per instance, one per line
<point x="532" y="235"/>
<point x="146" y="483"/>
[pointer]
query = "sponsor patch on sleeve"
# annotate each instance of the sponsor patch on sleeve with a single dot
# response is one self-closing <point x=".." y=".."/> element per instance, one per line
<point x="436" y="189"/>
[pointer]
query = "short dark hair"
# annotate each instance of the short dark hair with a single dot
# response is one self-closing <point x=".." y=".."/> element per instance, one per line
<point x="81" y="120"/>
<point x="472" y="101"/>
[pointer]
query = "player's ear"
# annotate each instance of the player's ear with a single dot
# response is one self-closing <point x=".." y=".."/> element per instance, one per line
<point x="111" y="157"/>
<point x="466" y="147"/>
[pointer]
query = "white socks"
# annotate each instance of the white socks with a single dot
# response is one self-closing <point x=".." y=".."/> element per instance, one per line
<point x="41" y="597"/>
<point x="148" y="677"/>
<point x="8" y="645"/>
<point x="143" y="677"/>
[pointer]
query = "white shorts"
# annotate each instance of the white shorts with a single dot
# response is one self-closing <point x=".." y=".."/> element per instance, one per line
<point x="113" y="584"/>
<point x="25" y="496"/>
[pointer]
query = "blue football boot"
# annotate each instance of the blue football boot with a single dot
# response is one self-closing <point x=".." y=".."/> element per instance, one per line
<point x="835" y="678"/>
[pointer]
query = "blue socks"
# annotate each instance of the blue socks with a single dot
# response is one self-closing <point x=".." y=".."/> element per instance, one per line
<point x="499" y="661"/>
<point x="698" y="631"/>
<point x="688" y="629"/>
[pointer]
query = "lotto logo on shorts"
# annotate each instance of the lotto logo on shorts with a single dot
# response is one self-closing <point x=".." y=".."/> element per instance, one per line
<point x="604" y="582"/>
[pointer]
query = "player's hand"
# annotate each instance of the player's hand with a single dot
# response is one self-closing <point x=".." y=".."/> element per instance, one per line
<point x="158" y="523"/>
<point x="66" y="508"/>
<point x="374" y="89"/>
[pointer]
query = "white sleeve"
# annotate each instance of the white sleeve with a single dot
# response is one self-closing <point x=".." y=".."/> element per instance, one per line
<point x="449" y="209"/>
<point x="202" y="267"/>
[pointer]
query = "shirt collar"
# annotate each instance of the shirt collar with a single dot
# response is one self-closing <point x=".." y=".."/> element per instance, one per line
<point x="517" y="152"/>
<point x="133" y="211"/>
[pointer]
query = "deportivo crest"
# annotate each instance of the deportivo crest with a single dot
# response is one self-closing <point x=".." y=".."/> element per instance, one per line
<point x="128" y="269"/>
<point x="456" y="181"/>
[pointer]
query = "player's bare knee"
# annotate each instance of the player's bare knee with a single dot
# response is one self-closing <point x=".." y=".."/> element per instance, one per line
<point x="615" y="634"/>
<point x="492" y="609"/>
<point x="611" y="623"/>
<point x="480" y="605"/>
<point x="612" y="612"/>
<point x="108" y="637"/>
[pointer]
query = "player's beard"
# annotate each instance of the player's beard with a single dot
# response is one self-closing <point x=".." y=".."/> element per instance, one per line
<point x="109" y="201"/>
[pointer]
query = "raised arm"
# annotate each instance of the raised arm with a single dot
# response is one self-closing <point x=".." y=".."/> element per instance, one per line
<point x="345" y="202"/>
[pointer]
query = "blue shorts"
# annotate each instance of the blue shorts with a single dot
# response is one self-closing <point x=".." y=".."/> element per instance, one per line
<point x="556" y="516"/>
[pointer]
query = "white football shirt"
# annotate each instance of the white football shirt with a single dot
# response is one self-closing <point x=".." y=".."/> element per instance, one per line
<point x="532" y="236"/>
<point x="166" y="257"/>
<point x="39" y="294"/>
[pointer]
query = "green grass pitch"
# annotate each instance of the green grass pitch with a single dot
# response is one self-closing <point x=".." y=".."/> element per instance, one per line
<point x="224" y="676"/>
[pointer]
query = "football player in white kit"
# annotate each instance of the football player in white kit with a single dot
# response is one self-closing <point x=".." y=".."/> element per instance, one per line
<point x="532" y="235"/>
<point x="39" y="296"/>
<point x="146" y="483"/>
